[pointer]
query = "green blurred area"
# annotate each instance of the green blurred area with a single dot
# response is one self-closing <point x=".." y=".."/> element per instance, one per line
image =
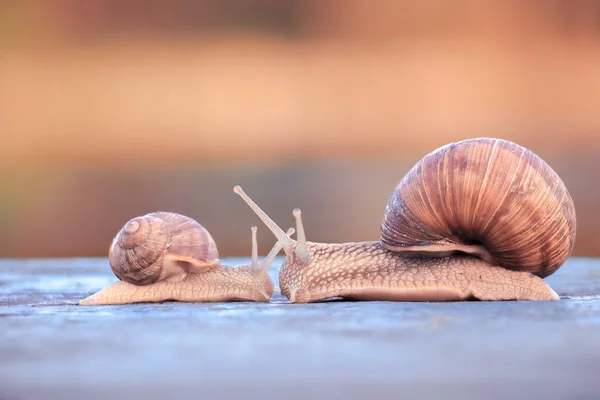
<point x="112" y="109"/>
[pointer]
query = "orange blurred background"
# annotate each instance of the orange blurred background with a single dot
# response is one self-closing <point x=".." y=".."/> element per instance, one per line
<point x="112" y="109"/>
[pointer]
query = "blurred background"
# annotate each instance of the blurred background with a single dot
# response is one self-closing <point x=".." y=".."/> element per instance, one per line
<point x="111" y="109"/>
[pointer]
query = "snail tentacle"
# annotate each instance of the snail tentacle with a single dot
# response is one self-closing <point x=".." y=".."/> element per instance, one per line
<point x="285" y="240"/>
<point x="302" y="252"/>
<point x="254" y="264"/>
<point x="274" y="251"/>
<point x="271" y="257"/>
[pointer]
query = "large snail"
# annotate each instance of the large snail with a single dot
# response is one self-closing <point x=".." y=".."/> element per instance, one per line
<point x="482" y="219"/>
<point x="167" y="256"/>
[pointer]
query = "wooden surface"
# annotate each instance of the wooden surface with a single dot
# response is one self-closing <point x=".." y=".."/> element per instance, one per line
<point x="53" y="349"/>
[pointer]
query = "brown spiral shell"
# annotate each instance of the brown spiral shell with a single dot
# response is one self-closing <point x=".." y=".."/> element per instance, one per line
<point x="137" y="252"/>
<point x="490" y="192"/>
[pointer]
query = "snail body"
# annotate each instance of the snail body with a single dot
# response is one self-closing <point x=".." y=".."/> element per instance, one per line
<point x="165" y="256"/>
<point x="479" y="219"/>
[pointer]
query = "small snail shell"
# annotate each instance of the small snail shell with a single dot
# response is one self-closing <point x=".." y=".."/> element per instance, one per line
<point x="141" y="252"/>
<point x="487" y="192"/>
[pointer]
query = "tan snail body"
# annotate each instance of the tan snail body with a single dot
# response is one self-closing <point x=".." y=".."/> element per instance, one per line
<point x="482" y="219"/>
<point x="165" y="256"/>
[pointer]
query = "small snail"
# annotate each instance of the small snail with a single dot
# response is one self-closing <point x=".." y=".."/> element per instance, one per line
<point x="167" y="256"/>
<point x="479" y="219"/>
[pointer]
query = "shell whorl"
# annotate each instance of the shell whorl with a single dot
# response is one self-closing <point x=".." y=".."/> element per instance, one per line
<point x="137" y="252"/>
<point x="488" y="192"/>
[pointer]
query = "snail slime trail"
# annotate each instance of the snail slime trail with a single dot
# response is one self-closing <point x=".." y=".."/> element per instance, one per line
<point x="479" y="219"/>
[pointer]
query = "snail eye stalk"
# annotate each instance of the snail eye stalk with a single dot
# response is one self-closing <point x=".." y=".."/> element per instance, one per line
<point x="285" y="240"/>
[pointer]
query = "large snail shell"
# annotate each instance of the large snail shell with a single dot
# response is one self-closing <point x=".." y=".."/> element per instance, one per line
<point x="487" y="192"/>
<point x="137" y="254"/>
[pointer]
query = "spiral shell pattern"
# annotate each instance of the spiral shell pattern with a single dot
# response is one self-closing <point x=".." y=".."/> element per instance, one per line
<point x="137" y="252"/>
<point x="488" y="192"/>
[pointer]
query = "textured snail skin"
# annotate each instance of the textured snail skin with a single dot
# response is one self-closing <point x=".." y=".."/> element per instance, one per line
<point x="368" y="271"/>
<point x="481" y="219"/>
<point x="219" y="284"/>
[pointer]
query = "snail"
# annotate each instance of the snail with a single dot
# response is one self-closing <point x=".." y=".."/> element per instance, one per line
<point x="478" y="219"/>
<point x="167" y="256"/>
